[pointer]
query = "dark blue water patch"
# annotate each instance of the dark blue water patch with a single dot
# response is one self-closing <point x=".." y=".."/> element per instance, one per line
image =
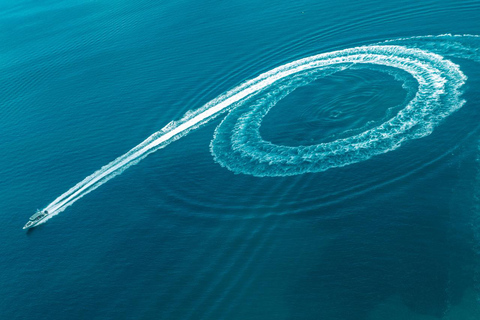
<point x="408" y="243"/>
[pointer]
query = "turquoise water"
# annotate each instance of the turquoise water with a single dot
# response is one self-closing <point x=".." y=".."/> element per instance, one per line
<point x="319" y="204"/>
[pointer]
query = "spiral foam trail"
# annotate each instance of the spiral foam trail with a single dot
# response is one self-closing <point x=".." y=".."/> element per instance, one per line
<point x="238" y="146"/>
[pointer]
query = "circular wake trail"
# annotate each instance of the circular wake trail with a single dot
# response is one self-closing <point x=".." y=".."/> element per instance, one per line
<point x="238" y="146"/>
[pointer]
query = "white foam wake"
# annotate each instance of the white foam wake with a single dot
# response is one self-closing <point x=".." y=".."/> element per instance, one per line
<point x="237" y="144"/>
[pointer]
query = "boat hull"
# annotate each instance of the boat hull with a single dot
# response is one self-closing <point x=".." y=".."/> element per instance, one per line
<point x="37" y="218"/>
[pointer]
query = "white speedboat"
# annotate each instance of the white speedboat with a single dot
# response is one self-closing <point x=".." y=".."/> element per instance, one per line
<point x="36" y="219"/>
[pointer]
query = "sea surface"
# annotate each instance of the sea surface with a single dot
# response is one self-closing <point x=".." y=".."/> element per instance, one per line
<point x="348" y="192"/>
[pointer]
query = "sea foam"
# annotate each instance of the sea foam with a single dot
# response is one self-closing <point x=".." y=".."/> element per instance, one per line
<point x="238" y="146"/>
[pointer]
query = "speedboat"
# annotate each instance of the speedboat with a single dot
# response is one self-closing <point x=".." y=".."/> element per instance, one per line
<point x="36" y="219"/>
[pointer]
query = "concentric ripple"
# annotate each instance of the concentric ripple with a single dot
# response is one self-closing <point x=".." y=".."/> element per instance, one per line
<point x="238" y="145"/>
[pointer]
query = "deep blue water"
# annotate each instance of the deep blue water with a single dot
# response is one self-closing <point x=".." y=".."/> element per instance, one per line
<point x="178" y="236"/>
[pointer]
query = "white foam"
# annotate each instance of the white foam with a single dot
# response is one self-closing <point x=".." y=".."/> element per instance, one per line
<point x="237" y="144"/>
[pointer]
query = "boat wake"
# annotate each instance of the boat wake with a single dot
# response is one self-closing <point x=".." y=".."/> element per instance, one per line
<point x="238" y="146"/>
